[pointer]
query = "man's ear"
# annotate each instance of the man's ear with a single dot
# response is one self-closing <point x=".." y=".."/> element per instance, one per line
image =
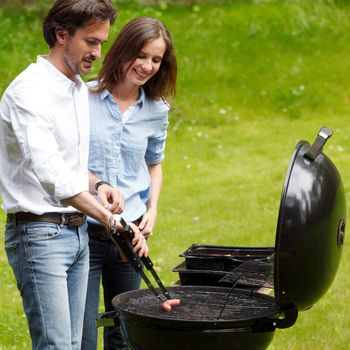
<point x="61" y="36"/>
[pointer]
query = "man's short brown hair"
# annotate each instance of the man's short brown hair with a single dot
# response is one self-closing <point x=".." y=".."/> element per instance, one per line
<point x="73" y="14"/>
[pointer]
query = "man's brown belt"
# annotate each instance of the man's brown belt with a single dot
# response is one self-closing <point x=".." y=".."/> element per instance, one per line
<point x="70" y="219"/>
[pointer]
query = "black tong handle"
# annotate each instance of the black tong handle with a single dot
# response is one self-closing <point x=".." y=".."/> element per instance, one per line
<point x="124" y="240"/>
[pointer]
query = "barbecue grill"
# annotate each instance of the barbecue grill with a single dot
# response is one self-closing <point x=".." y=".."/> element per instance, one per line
<point x="211" y="265"/>
<point x="230" y="312"/>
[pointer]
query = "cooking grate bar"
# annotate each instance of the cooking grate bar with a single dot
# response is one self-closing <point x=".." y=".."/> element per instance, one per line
<point x="200" y="305"/>
<point x="259" y="272"/>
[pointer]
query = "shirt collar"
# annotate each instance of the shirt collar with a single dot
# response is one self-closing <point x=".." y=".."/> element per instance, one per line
<point x="142" y="97"/>
<point x="58" y="75"/>
<point x="105" y="94"/>
<point x="140" y="101"/>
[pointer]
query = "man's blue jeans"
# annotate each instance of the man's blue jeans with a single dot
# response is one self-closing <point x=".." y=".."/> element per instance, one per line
<point x="51" y="265"/>
<point x="117" y="277"/>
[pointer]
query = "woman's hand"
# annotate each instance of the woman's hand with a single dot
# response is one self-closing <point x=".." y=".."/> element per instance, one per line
<point x="147" y="223"/>
<point x="139" y="241"/>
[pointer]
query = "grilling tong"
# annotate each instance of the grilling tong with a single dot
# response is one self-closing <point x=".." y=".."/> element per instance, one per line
<point x="123" y="240"/>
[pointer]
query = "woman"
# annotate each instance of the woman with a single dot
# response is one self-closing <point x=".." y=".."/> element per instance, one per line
<point x="129" y="106"/>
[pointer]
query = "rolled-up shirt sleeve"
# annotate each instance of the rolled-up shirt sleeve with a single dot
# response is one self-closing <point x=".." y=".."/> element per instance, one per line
<point x="155" y="152"/>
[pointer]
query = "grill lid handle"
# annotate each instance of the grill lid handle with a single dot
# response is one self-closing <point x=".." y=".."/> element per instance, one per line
<point x="269" y="324"/>
<point x="323" y="135"/>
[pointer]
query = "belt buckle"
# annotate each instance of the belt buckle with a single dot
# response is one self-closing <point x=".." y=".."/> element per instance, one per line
<point x="75" y="220"/>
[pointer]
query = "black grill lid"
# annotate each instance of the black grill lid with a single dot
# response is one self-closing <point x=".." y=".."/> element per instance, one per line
<point x="310" y="227"/>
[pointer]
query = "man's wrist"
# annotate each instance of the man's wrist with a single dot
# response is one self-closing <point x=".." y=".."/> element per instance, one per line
<point x="100" y="183"/>
<point x="114" y="222"/>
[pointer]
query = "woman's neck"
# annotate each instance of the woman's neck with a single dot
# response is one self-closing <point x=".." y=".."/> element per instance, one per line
<point x="125" y="96"/>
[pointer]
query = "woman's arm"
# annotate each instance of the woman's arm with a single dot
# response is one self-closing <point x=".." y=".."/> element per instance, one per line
<point x="149" y="218"/>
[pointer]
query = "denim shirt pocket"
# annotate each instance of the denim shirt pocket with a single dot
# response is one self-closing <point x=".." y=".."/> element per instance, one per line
<point x="132" y="158"/>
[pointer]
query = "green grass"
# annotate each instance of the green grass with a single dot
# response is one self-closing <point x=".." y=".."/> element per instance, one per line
<point x="255" y="77"/>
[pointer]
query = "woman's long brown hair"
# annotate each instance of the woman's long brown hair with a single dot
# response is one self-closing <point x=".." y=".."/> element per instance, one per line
<point x="126" y="49"/>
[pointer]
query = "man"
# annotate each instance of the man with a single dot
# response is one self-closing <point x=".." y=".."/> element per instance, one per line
<point x="44" y="182"/>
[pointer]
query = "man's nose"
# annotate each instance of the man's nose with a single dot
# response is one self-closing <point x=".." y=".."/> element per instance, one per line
<point x="96" y="52"/>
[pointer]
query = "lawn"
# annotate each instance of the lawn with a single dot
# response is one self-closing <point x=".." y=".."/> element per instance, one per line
<point x="255" y="77"/>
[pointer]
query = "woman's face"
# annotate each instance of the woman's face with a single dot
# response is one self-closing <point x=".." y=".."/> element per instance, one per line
<point x="147" y="63"/>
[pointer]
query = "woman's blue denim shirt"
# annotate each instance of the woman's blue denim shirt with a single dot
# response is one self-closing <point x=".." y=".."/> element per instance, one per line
<point x="120" y="152"/>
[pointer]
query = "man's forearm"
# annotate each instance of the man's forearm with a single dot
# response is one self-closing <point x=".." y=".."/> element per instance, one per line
<point x="87" y="204"/>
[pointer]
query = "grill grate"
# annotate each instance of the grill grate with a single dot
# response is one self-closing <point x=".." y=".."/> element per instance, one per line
<point x="203" y="305"/>
<point x="259" y="272"/>
<point x="229" y="252"/>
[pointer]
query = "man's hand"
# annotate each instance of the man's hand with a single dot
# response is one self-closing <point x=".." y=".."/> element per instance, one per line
<point x="111" y="198"/>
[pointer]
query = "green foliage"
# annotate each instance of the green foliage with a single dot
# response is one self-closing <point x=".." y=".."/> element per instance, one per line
<point x="255" y="77"/>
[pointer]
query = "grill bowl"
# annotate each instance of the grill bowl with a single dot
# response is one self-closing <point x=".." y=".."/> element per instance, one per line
<point x="197" y="323"/>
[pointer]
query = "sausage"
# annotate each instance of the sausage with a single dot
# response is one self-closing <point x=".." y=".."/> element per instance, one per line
<point x="168" y="304"/>
<point x="173" y="302"/>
